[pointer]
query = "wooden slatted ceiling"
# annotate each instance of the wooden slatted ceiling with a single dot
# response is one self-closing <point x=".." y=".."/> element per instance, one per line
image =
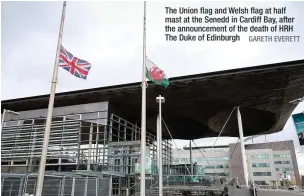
<point x="198" y="105"/>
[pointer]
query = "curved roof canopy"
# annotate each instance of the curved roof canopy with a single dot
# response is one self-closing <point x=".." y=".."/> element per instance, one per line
<point x="197" y="106"/>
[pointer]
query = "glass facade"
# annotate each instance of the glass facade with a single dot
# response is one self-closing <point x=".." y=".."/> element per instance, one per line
<point x="82" y="137"/>
<point x="218" y="174"/>
<point x="216" y="166"/>
<point x="77" y="141"/>
<point x="200" y="159"/>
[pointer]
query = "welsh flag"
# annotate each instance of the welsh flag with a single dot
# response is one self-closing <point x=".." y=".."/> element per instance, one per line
<point x="155" y="74"/>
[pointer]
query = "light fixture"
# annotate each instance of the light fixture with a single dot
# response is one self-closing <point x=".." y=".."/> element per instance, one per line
<point x="12" y="112"/>
<point x="3" y="116"/>
<point x="297" y="101"/>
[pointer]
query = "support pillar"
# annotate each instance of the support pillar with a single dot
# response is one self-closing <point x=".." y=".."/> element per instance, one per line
<point x="191" y="162"/>
<point x="90" y="148"/>
<point x="20" y="186"/>
<point x="73" y="188"/>
<point x="97" y="155"/>
<point x="62" y="187"/>
<point x="96" y="187"/>
<point x="239" y="117"/>
<point x="31" y="167"/>
<point x="86" y="186"/>
<point x="110" y="185"/>
<point x="89" y="160"/>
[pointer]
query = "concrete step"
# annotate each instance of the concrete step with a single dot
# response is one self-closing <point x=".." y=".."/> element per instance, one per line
<point x="181" y="191"/>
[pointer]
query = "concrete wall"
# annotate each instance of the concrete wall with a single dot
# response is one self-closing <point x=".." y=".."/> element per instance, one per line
<point x="280" y="146"/>
<point x="236" y="165"/>
<point x="283" y="166"/>
<point x="271" y="168"/>
<point x="75" y="109"/>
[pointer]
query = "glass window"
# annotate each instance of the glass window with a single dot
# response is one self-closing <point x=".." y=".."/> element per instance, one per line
<point x="261" y="173"/>
<point x="260" y="182"/>
<point x="28" y="121"/>
<point x="115" y="186"/>
<point x="260" y="164"/>
<point x="281" y="156"/>
<point x="260" y="156"/>
<point x="287" y="169"/>
<point x="199" y="159"/>
<point x="282" y="162"/>
<point x="218" y="174"/>
<point x="39" y="121"/>
<point x="117" y="165"/>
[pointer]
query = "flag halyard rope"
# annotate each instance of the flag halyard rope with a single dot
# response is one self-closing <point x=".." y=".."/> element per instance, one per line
<point x="217" y="137"/>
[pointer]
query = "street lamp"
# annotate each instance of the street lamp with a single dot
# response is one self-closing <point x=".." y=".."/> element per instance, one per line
<point x="7" y="111"/>
<point x="160" y="100"/>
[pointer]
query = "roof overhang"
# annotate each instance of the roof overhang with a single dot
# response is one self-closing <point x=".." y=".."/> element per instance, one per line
<point x="197" y="106"/>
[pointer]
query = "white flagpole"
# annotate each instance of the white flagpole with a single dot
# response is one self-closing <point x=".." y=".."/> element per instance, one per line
<point x="143" y="114"/>
<point x="50" y="110"/>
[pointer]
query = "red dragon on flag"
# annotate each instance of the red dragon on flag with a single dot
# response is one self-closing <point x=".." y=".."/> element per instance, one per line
<point x="155" y="74"/>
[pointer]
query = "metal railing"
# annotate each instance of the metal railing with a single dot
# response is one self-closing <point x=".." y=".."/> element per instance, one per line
<point x="183" y="182"/>
<point x="58" y="184"/>
<point x="77" y="142"/>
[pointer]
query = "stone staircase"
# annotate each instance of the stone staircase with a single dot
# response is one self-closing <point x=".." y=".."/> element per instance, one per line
<point x="184" y="191"/>
<point x="187" y="187"/>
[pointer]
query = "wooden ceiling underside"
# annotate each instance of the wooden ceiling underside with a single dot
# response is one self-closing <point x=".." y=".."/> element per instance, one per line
<point x="197" y="106"/>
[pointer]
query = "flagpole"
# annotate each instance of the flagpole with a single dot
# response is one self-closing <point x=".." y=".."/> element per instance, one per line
<point x="50" y="110"/>
<point x="143" y="113"/>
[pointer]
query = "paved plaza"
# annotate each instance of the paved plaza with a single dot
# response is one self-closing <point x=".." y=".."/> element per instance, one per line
<point x="245" y="192"/>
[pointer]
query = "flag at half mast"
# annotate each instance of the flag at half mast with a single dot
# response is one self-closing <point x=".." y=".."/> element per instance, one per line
<point x="77" y="67"/>
<point x="155" y="74"/>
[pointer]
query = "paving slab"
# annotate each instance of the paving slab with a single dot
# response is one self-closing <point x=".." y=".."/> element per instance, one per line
<point x="261" y="192"/>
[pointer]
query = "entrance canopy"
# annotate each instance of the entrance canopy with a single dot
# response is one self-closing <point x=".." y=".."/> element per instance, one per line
<point x="197" y="106"/>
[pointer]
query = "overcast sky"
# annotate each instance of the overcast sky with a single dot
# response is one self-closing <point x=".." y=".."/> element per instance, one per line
<point x="109" y="36"/>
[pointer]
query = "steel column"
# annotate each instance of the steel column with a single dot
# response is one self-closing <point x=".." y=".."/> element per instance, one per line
<point x="191" y="162"/>
<point x="239" y="117"/>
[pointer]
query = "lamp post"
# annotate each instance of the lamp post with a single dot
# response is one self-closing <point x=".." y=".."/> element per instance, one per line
<point x="160" y="100"/>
